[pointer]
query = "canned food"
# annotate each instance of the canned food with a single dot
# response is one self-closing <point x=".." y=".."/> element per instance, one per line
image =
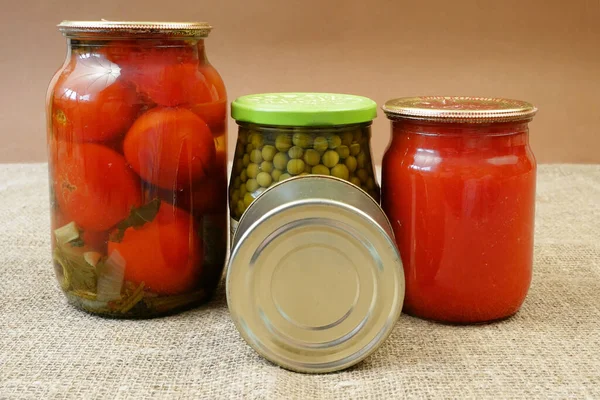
<point x="137" y="166"/>
<point x="314" y="282"/>
<point x="459" y="179"/>
<point x="282" y="135"/>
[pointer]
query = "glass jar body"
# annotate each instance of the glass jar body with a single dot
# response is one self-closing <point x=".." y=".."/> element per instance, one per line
<point x="136" y="133"/>
<point x="265" y="155"/>
<point x="461" y="199"/>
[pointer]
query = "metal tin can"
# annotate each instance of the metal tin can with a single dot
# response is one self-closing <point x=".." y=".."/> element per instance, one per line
<point x="314" y="282"/>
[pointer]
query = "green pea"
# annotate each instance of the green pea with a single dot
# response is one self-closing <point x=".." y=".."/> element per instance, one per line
<point x="283" y="142"/>
<point x="285" y="176"/>
<point x="340" y="171"/>
<point x="320" y="144"/>
<point x="243" y="190"/>
<point x="238" y="166"/>
<point x="295" y="166"/>
<point x="252" y="185"/>
<point x="358" y="135"/>
<point x="330" y="158"/>
<point x="242" y="137"/>
<point x="355" y="180"/>
<point x="252" y="170"/>
<point x="362" y="175"/>
<point x="303" y="140"/>
<point x="347" y="138"/>
<point x="370" y="183"/>
<point x="248" y="199"/>
<point x="320" y="170"/>
<point x="361" y="158"/>
<point x="256" y="156"/>
<point x="334" y="141"/>
<point x="243" y="176"/>
<point x="296" y="152"/>
<point x="241" y="206"/>
<point x="268" y="152"/>
<point x="257" y="141"/>
<point x="249" y="148"/>
<point x="343" y="151"/>
<point x="304" y="173"/>
<point x="275" y="175"/>
<point x="264" y="179"/>
<point x="280" y="160"/>
<point x="235" y="196"/>
<point x="239" y="151"/>
<point x="266" y="166"/>
<point x="351" y="163"/>
<point x="312" y="157"/>
<point x="354" y="149"/>
<point x="246" y="160"/>
<point x="236" y="182"/>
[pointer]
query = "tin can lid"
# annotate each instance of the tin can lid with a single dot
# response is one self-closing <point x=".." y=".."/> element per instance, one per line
<point x="314" y="284"/>
<point x="457" y="109"/>
<point x="303" y="109"/>
<point x="145" y="29"/>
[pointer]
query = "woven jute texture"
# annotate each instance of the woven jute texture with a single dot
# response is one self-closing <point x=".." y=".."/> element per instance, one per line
<point x="550" y="349"/>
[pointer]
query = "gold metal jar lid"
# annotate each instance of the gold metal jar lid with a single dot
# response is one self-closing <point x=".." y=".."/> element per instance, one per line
<point x="459" y="109"/>
<point x="314" y="282"/>
<point x="144" y="29"/>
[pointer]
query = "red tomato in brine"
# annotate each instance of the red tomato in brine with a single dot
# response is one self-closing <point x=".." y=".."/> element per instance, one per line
<point x="170" y="147"/>
<point x="168" y="74"/>
<point x="93" y="185"/>
<point x="95" y="240"/>
<point x="214" y="113"/>
<point x="210" y="196"/>
<point x="91" y="103"/>
<point x="127" y="53"/>
<point x="171" y="84"/>
<point x="165" y="254"/>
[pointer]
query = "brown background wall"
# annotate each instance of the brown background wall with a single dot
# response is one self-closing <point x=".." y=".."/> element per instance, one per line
<point x="544" y="51"/>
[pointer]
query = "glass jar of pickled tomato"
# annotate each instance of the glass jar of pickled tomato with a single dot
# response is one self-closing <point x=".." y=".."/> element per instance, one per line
<point x="137" y="165"/>
<point x="289" y="134"/>
<point x="458" y="185"/>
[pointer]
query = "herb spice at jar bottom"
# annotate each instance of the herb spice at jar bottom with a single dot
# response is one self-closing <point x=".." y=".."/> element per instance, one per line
<point x="138" y="225"/>
<point x="291" y="134"/>
<point x="458" y="184"/>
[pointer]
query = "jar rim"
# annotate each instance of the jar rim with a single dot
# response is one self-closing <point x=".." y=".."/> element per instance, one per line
<point x="459" y="109"/>
<point x="141" y="29"/>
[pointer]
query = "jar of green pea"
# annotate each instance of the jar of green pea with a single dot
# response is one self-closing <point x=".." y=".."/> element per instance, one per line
<point x="288" y="134"/>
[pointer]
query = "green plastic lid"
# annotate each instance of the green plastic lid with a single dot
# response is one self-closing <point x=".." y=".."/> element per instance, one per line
<point x="303" y="109"/>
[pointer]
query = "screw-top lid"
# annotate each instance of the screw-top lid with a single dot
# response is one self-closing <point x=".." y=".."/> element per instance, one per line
<point x="459" y="109"/>
<point x="314" y="282"/>
<point x="145" y="29"/>
<point x="303" y="109"/>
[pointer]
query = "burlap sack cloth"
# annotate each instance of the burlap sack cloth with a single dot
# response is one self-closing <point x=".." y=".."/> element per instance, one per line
<point x="551" y="349"/>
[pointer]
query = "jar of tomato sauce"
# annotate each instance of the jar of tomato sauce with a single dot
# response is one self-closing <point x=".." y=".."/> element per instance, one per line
<point x="137" y="164"/>
<point x="458" y="185"/>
